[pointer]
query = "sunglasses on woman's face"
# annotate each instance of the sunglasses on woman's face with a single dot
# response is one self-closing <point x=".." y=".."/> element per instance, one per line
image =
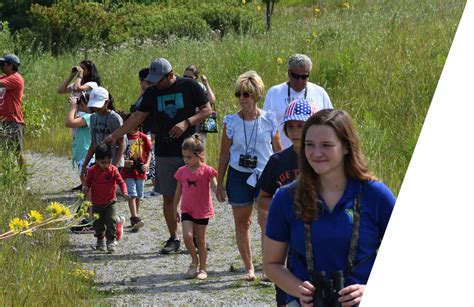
<point x="245" y="95"/>
<point x="298" y="76"/>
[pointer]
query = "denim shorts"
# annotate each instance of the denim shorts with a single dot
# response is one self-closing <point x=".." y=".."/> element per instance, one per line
<point x="240" y="194"/>
<point x="135" y="187"/>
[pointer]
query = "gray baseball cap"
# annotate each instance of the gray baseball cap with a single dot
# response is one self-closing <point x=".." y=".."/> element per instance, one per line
<point x="10" y="58"/>
<point x="158" y="69"/>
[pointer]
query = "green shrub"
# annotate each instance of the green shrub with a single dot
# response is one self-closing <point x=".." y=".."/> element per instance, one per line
<point x="70" y="26"/>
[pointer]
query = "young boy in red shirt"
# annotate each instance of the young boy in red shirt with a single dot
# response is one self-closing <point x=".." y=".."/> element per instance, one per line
<point x="137" y="161"/>
<point x="102" y="179"/>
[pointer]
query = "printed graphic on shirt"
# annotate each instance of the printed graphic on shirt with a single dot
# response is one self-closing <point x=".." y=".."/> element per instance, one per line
<point x="190" y="183"/>
<point x="170" y="104"/>
<point x="101" y="128"/>
<point x="134" y="150"/>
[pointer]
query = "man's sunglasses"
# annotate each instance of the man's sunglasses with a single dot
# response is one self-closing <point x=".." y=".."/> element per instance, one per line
<point x="245" y="95"/>
<point x="298" y="76"/>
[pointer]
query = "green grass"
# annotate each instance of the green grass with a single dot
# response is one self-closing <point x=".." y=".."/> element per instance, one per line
<point x="36" y="270"/>
<point x="379" y="60"/>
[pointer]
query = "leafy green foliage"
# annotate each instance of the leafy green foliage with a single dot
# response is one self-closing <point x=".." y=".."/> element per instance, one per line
<point x="69" y="26"/>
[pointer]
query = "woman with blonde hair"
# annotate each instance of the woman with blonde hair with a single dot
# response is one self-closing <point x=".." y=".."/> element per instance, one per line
<point x="249" y="138"/>
<point x="331" y="219"/>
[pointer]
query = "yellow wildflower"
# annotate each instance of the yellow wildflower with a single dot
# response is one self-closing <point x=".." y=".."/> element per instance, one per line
<point x="244" y="2"/>
<point x="86" y="204"/>
<point x="17" y="224"/>
<point x="317" y="10"/>
<point x="279" y="61"/>
<point x="35" y="216"/>
<point x="259" y="8"/>
<point x="57" y="209"/>
<point x="308" y="41"/>
<point x="81" y="196"/>
<point x="314" y="34"/>
<point x="96" y="216"/>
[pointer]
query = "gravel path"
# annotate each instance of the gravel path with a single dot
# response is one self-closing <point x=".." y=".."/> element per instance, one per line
<point x="136" y="274"/>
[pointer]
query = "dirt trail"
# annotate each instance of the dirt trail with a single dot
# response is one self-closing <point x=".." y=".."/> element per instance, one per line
<point x="136" y="274"/>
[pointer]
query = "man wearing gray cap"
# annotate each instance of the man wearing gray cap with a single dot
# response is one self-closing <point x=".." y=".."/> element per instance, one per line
<point x="11" y="116"/>
<point x="172" y="103"/>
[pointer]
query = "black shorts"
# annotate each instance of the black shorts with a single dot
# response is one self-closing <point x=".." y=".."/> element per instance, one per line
<point x="11" y="134"/>
<point x="188" y="217"/>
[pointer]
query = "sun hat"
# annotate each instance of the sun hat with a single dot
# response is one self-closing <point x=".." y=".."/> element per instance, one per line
<point x="158" y="69"/>
<point x="97" y="97"/>
<point x="10" y="58"/>
<point x="299" y="109"/>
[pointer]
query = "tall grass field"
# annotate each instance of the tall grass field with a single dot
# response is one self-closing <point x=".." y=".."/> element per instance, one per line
<point x="378" y="60"/>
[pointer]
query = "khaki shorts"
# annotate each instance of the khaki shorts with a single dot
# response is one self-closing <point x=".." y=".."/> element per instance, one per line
<point x="11" y="135"/>
<point x="166" y="167"/>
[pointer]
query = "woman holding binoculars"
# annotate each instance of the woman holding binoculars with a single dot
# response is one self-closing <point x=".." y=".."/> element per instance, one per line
<point x="331" y="220"/>
<point x="85" y="76"/>
<point x="249" y="138"/>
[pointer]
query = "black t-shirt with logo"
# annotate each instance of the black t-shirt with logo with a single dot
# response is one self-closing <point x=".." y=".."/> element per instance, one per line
<point x="170" y="106"/>
<point x="281" y="169"/>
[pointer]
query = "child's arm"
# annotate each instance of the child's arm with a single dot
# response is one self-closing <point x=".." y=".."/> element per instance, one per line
<point x="146" y="166"/>
<point x="120" y="151"/>
<point x="88" y="181"/>
<point x="214" y="185"/>
<point x="177" y="201"/>
<point x="88" y="158"/>
<point x="119" y="180"/>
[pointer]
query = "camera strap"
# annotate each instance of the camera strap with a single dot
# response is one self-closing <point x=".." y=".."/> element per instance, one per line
<point x="247" y="144"/>
<point x="289" y="97"/>
<point x="353" y="244"/>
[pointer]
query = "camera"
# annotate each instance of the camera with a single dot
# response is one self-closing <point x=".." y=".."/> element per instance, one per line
<point x="248" y="161"/>
<point x="327" y="289"/>
<point x="137" y="165"/>
<point x="74" y="70"/>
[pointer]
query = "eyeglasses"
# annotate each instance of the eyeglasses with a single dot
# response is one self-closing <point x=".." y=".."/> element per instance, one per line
<point x="298" y="76"/>
<point x="245" y="95"/>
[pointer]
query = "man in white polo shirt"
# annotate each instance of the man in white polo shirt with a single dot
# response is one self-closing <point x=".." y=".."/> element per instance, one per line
<point x="297" y="86"/>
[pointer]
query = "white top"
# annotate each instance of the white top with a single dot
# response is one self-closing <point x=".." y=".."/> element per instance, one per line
<point x="259" y="143"/>
<point x="277" y="100"/>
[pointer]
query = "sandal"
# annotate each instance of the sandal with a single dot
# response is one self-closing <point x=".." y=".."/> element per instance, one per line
<point x="249" y="276"/>
<point x="192" y="271"/>
<point x="201" y="275"/>
<point x="264" y="278"/>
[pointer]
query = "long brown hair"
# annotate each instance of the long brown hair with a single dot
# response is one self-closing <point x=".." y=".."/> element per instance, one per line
<point x="308" y="182"/>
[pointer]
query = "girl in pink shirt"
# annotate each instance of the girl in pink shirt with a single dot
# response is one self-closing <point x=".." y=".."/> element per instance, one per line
<point x="194" y="196"/>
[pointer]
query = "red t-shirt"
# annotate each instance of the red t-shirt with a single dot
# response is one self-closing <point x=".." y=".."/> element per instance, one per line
<point x="10" y="105"/>
<point x="103" y="184"/>
<point x="138" y="149"/>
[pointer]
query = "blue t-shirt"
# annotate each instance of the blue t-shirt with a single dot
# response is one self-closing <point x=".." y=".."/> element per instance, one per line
<point x="281" y="169"/>
<point x="331" y="233"/>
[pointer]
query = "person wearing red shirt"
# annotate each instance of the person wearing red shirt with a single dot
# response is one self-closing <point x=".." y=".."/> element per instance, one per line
<point x="102" y="179"/>
<point x="137" y="161"/>
<point x="11" y="116"/>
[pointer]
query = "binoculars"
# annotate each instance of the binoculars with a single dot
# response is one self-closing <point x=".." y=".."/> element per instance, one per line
<point x="248" y="161"/>
<point x="326" y="293"/>
<point x="137" y="165"/>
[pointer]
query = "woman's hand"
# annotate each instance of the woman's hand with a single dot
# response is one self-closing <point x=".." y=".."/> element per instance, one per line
<point x="177" y="216"/>
<point x="220" y="193"/>
<point x="351" y="295"/>
<point x="306" y="291"/>
<point x="80" y="71"/>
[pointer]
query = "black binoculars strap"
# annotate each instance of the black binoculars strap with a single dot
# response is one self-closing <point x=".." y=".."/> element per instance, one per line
<point x="352" y="247"/>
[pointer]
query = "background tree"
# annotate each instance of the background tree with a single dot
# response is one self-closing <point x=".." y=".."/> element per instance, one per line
<point x="270" y="5"/>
